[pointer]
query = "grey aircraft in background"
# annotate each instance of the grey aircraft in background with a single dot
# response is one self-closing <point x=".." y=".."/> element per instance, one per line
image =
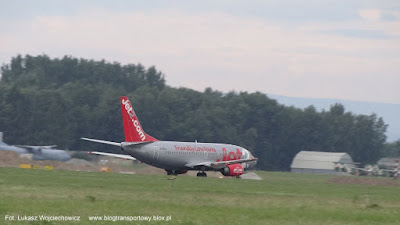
<point x="47" y="153"/>
<point x="37" y="152"/>
<point x="177" y="157"/>
<point x="6" y="147"/>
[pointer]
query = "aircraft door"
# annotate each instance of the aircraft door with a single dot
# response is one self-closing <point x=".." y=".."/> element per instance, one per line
<point x="205" y="154"/>
<point x="156" y="153"/>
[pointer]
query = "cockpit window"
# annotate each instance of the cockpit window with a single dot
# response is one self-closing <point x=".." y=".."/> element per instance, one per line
<point x="245" y="153"/>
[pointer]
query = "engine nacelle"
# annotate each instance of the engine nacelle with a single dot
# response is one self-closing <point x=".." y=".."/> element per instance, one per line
<point x="233" y="170"/>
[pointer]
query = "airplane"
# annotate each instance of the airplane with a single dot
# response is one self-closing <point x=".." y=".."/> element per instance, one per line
<point x="46" y="153"/>
<point x="38" y="152"/>
<point x="177" y="157"/>
<point x="367" y="170"/>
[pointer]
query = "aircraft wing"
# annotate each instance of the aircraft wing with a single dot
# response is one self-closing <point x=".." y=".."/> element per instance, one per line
<point x="114" y="155"/>
<point x="363" y="169"/>
<point x="36" y="147"/>
<point x="220" y="164"/>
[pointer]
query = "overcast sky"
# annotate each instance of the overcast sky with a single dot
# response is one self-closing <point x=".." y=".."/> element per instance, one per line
<point x="321" y="49"/>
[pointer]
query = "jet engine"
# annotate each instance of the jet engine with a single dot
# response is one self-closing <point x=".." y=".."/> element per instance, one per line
<point x="233" y="170"/>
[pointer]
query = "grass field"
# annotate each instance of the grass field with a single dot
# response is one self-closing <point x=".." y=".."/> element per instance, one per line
<point x="280" y="198"/>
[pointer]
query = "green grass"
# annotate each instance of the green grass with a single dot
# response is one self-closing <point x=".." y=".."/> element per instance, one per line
<point x="281" y="198"/>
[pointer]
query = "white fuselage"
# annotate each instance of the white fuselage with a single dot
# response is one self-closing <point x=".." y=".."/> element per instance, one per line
<point x="171" y="155"/>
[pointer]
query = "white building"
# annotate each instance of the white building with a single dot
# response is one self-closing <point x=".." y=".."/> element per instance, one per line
<point x="336" y="163"/>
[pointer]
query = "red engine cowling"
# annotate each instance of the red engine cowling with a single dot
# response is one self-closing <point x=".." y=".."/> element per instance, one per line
<point x="233" y="170"/>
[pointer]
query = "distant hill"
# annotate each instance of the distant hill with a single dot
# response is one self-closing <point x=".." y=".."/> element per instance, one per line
<point x="389" y="112"/>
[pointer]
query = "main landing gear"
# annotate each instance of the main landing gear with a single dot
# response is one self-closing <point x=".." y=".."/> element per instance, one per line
<point x="171" y="172"/>
<point x="201" y="174"/>
<point x="175" y="172"/>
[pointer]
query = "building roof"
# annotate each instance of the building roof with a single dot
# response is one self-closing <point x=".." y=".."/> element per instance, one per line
<point x="320" y="160"/>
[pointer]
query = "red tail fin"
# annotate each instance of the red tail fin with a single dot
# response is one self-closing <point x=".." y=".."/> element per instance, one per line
<point x="132" y="128"/>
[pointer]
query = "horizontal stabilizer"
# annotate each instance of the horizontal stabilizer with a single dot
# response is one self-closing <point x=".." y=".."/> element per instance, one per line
<point x="102" y="141"/>
<point x="134" y="144"/>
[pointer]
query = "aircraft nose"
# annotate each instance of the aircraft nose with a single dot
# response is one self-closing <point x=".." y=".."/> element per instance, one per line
<point x="251" y="165"/>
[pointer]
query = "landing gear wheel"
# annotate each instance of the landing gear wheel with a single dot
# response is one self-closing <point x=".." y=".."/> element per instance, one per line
<point x="201" y="174"/>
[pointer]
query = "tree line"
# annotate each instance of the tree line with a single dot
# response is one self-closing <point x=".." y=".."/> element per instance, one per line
<point x="47" y="101"/>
